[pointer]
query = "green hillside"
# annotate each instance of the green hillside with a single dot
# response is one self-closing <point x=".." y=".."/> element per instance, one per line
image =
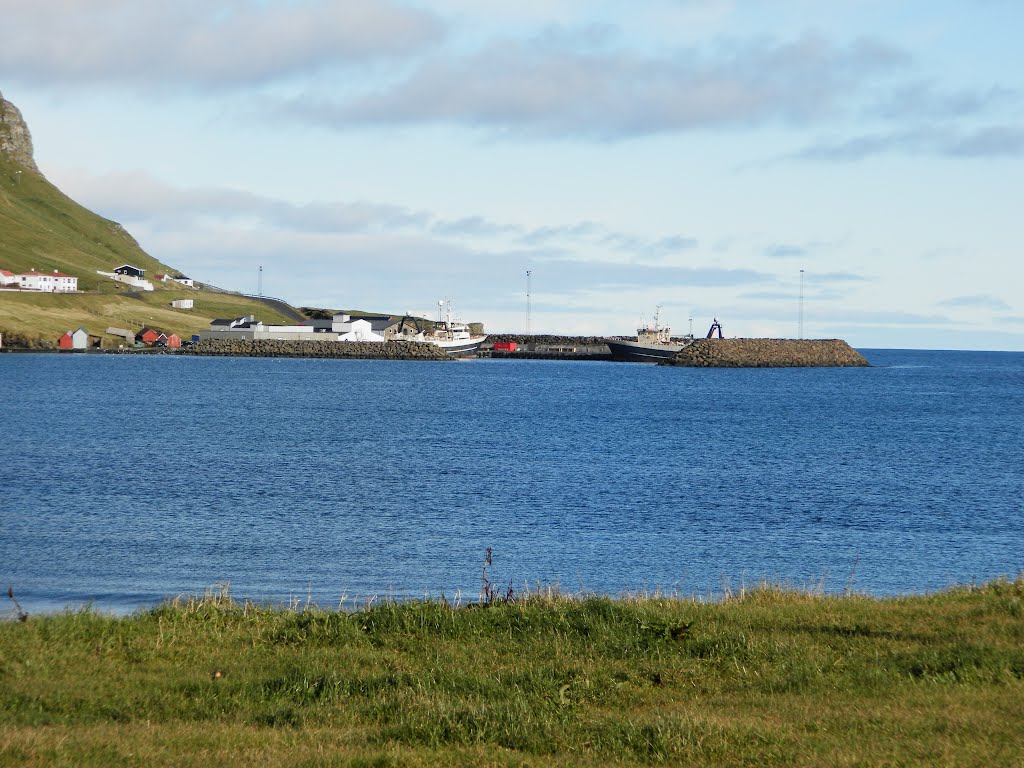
<point x="41" y="228"/>
<point x="44" y="229"/>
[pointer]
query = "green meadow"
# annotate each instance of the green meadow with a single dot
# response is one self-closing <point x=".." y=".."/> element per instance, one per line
<point x="764" y="677"/>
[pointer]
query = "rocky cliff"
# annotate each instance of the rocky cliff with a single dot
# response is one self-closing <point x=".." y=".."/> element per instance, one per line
<point x="15" y="139"/>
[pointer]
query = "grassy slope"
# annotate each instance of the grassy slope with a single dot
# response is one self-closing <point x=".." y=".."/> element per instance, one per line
<point x="49" y="315"/>
<point x="771" y="678"/>
<point x="42" y="228"/>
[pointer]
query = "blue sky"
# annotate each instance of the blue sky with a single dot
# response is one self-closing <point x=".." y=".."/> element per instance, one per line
<point x="689" y="154"/>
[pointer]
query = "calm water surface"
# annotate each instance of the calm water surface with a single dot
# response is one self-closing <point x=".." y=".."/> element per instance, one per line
<point x="125" y="480"/>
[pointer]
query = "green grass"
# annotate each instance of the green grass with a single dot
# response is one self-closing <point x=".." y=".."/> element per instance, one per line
<point x="769" y="678"/>
<point x="49" y="315"/>
<point x="43" y="229"/>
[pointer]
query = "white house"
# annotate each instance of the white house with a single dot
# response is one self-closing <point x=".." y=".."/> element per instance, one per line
<point x="48" y="282"/>
<point x="7" y="277"/>
<point x="183" y="303"/>
<point x="64" y="283"/>
<point x="186" y="281"/>
<point x="128" y="275"/>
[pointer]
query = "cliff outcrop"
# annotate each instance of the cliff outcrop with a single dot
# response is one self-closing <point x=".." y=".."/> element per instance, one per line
<point x="15" y="139"/>
<point x="769" y="353"/>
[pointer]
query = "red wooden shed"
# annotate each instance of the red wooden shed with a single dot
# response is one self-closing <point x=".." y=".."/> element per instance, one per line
<point x="147" y="336"/>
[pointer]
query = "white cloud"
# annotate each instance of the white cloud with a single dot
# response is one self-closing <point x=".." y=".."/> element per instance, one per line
<point x="193" y="42"/>
<point x="555" y="87"/>
<point x="984" y="301"/>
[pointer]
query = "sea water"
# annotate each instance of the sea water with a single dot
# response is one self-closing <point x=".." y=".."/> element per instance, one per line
<point x="125" y="480"/>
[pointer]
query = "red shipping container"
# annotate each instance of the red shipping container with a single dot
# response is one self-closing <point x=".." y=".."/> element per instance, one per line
<point x="505" y="346"/>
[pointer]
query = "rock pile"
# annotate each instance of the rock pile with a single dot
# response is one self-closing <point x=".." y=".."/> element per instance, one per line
<point x="388" y="350"/>
<point x="768" y="353"/>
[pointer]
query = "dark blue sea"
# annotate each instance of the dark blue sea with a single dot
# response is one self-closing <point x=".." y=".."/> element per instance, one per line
<point x="125" y="480"/>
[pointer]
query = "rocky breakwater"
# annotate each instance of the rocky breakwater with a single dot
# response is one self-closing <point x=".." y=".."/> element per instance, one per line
<point x="768" y="353"/>
<point x="366" y="350"/>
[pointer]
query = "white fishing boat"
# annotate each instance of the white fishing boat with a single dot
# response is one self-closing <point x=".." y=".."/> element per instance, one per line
<point x="448" y="333"/>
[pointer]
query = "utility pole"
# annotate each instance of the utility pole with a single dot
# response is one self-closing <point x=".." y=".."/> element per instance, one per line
<point x="259" y="288"/>
<point x="800" y="323"/>
<point x="528" y="273"/>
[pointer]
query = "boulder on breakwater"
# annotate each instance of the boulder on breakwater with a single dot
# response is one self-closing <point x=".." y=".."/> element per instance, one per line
<point x="768" y="353"/>
<point x="367" y="350"/>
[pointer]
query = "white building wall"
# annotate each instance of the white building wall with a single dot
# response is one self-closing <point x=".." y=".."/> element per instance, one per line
<point x="361" y="330"/>
<point x="36" y="281"/>
<point x="134" y="282"/>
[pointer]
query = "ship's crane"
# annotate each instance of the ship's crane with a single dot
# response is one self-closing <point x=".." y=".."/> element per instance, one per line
<point x="715" y="326"/>
<point x="415" y="323"/>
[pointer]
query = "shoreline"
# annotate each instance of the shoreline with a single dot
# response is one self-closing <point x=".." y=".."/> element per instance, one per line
<point x="702" y="353"/>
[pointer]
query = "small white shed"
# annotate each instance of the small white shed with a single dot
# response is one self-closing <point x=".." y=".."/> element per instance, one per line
<point x="183" y="303"/>
<point x="80" y="339"/>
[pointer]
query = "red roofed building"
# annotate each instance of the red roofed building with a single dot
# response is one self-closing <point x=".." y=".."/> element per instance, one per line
<point x="147" y="336"/>
<point x="64" y="283"/>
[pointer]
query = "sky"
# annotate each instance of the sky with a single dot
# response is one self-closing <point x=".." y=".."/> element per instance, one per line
<point x="844" y="169"/>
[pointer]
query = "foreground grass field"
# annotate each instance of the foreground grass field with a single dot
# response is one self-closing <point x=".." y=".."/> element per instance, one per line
<point x="768" y="678"/>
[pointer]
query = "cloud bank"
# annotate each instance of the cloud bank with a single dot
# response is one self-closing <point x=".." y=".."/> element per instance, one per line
<point x="196" y="43"/>
<point x="553" y="87"/>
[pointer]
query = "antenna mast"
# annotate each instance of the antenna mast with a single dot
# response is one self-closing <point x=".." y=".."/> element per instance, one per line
<point x="528" y="273"/>
<point x="800" y="323"/>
